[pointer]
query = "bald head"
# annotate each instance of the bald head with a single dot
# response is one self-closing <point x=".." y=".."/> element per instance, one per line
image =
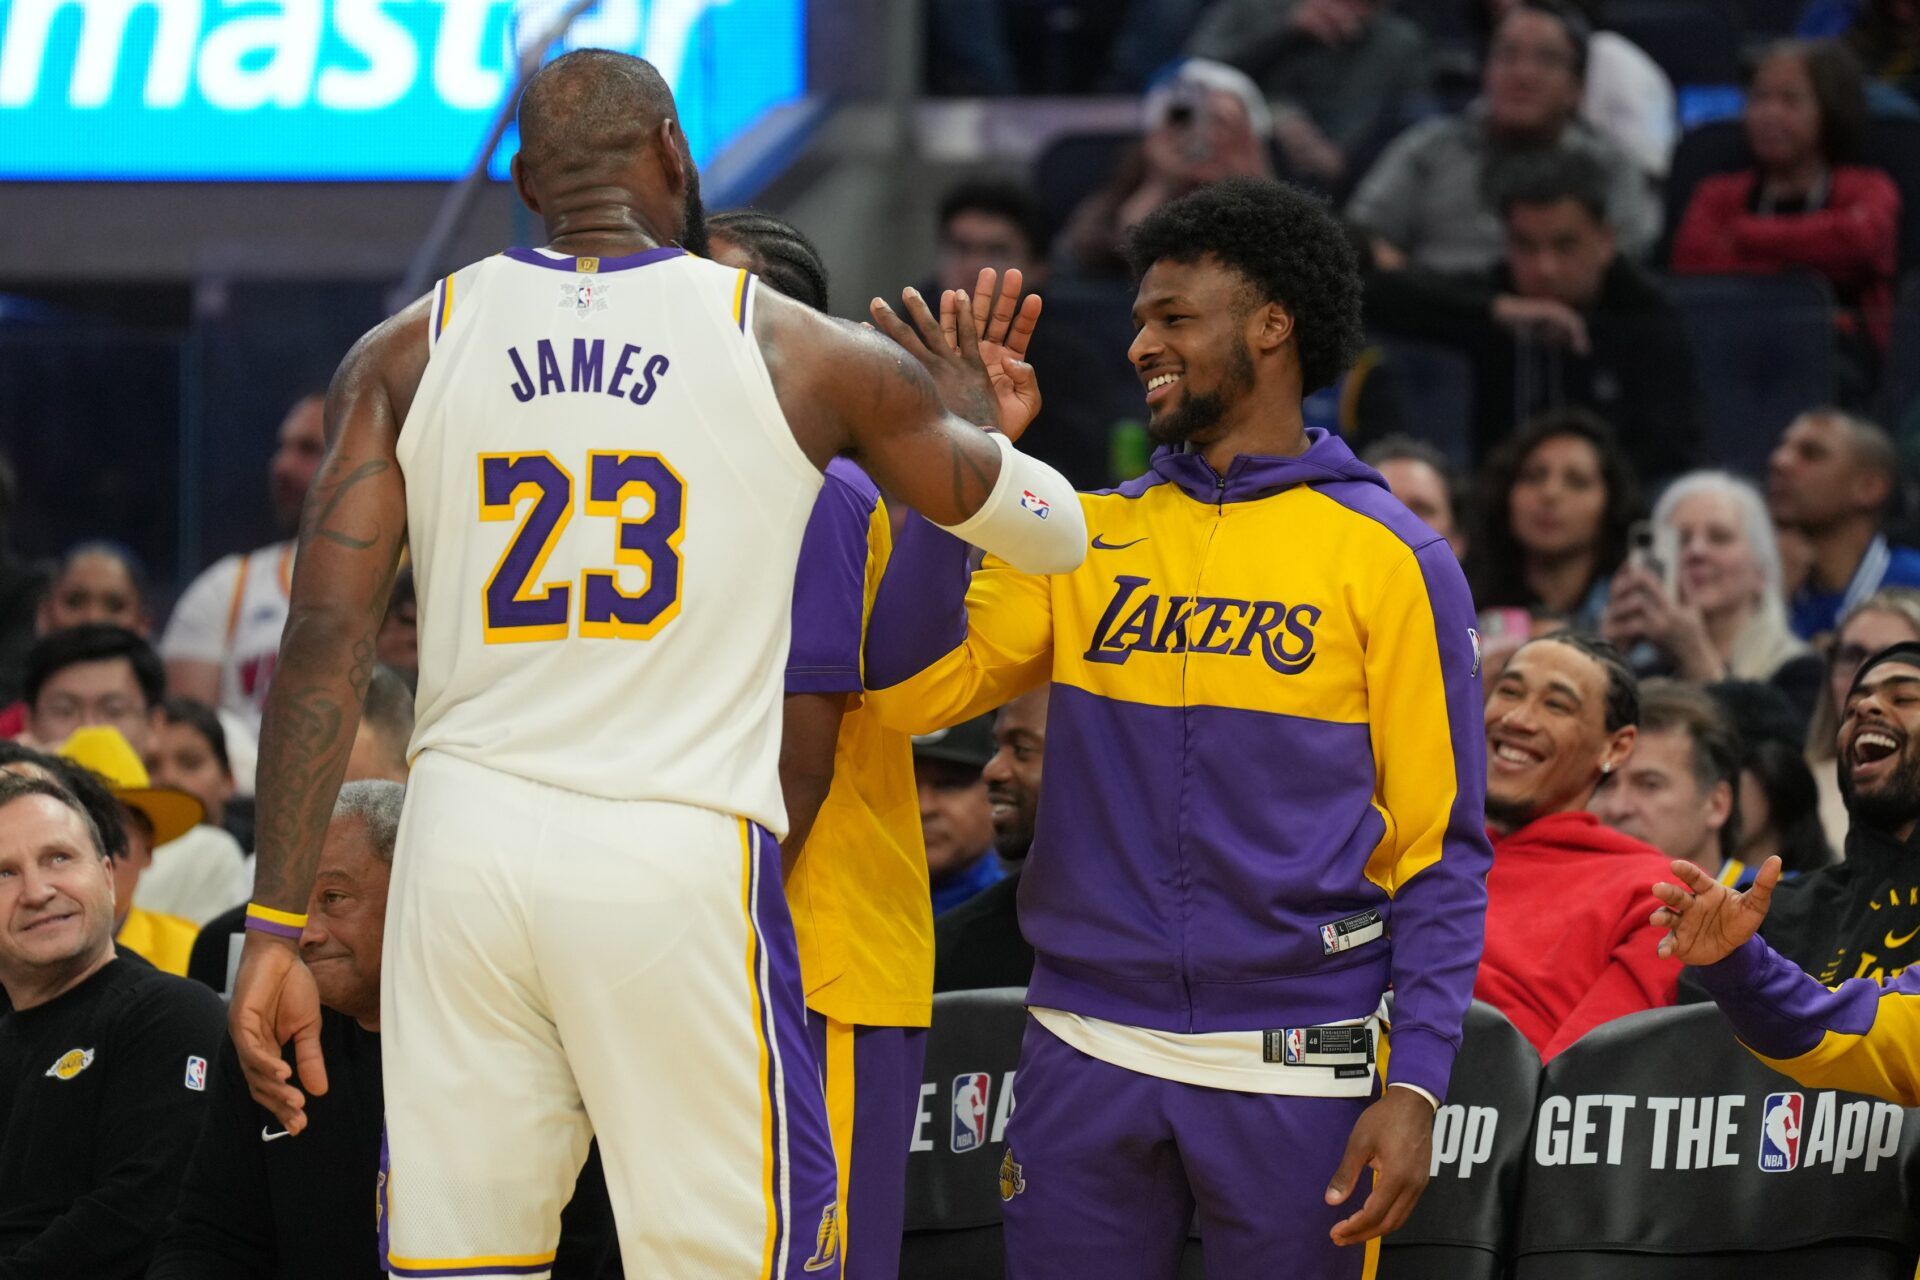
<point x="600" y="135"/>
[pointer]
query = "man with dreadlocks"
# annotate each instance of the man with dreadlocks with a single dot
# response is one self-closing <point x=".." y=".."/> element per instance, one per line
<point x="856" y="863"/>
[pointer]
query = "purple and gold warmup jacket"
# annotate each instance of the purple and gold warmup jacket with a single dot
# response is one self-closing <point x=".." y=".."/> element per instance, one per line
<point x="1862" y="1036"/>
<point x="1265" y="773"/>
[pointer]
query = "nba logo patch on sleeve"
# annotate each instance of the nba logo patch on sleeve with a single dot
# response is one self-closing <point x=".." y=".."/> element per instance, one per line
<point x="197" y="1074"/>
<point x="969" y="1112"/>
<point x="1035" y="503"/>
<point x="1780" y="1132"/>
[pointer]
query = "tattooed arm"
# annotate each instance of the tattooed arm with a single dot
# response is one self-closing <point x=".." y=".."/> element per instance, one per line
<point x="351" y="535"/>
<point x="922" y="418"/>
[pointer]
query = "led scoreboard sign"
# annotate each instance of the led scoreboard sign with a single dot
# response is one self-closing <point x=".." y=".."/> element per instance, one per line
<point x="281" y="90"/>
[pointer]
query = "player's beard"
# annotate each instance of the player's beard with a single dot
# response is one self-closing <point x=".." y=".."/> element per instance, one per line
<point x="1202" y="411"/>
<point x="1892" y="804"/>
<point x="693" y="216"/>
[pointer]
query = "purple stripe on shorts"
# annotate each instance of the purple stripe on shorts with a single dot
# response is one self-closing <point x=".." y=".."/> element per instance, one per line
<point x="485" y="1269"/>
<point x="812" y="1181"/>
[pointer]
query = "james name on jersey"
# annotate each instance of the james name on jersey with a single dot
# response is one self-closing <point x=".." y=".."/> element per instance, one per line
<point x="587" y="371"/>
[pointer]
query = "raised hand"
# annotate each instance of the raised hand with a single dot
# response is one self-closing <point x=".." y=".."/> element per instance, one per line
<point x="959" y="374"/>
<point x="1706" y="922"/>
<point x="1005" y="323"/>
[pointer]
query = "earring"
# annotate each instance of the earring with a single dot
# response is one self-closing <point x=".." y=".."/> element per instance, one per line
<point x="1606" y="766"/>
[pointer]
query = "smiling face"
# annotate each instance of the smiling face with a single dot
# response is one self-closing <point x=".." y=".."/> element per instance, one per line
<point x="1547" y="738"/>
<point x="1879" y="758"/>
<point x="345" y="919"/>
<point x="1192" y="350"/>
<point x="1718" y="569"/>
<point x="1559" y="498"/>
<point x="1013" y="774"/>
<point x="56" y="892"/>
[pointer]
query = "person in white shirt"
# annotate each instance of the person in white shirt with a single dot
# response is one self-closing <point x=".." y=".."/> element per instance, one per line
<point x="224" y="636"/>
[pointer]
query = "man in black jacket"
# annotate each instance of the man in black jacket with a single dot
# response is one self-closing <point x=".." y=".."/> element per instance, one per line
<point x="1860" y="918"/>
<point x="978" y="943"/>
<point x="262" y="1204"/>
<point x="104" y="1061"/>
<point x="1564" y="320"/>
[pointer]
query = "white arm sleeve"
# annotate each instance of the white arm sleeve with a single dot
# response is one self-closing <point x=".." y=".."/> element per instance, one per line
<point x="1032" y="519"/>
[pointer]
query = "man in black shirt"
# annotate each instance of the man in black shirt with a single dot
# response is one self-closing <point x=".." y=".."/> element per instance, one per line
<point x="978" y="943"/>
<point x="262" y="1204"/>
<point x="104" y="1061"/>
<point x="1564" y="321"/>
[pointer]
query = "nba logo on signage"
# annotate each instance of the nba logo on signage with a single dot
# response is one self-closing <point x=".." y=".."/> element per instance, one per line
<point x="1780" y="1132"/>
<point x="970" y="1111"/>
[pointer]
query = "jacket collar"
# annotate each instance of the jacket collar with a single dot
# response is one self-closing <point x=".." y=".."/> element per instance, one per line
<point x="1251" y="476"/>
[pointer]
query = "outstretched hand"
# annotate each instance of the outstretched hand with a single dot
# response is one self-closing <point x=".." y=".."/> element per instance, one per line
<point x="1005" y="322"/>
<point x="975" y="350"/>
<point x="1707" y="921"/>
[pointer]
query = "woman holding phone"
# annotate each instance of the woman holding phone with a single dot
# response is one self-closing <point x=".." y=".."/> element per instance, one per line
<point x="1700" y="598"/>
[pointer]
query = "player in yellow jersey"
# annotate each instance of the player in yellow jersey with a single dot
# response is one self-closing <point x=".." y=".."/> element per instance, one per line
<point x="857" y="867"/>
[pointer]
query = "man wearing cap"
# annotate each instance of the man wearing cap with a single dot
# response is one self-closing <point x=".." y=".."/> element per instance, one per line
<point x="1860" y="917"/>
<point x="955" y="815"/>
<point x="152" y="816"/>
<point x="104" y="1063"/>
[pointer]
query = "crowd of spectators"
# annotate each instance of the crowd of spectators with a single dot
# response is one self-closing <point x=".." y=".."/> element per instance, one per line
<point x="1669" y="651"/>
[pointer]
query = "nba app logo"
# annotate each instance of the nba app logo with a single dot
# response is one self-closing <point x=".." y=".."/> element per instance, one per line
<point x="1780" y="1132"/>
<point x="970" y="1112"/>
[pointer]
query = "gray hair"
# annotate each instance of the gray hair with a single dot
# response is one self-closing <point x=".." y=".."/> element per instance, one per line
<point x="376" y="803"/>
<point x="1751" y="510"/>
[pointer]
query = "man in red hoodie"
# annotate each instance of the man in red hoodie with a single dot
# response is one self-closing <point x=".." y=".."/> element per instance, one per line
<point x="1569" y="944"/>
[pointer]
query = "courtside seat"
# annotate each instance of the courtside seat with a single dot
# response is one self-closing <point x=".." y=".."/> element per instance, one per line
<point x="1463" y="1226"/>
<point x="1663" y="1150"/>
<point x="953" y="1169"/>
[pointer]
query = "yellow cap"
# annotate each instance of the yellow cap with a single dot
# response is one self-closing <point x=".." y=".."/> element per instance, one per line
<point x="104" y="750"/>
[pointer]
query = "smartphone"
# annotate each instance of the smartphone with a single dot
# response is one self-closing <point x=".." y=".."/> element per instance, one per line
<point x="1640" y="550"/>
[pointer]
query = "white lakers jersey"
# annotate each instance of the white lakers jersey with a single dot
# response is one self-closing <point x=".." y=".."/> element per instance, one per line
<point x="605" y="506"/>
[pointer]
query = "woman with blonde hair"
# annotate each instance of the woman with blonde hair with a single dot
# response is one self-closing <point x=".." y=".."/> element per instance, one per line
<point x="1707" y="603"/>
<point x="1890" y="615"/>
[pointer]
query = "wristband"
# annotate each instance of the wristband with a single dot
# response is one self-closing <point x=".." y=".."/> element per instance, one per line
<point x="281" y="924"/>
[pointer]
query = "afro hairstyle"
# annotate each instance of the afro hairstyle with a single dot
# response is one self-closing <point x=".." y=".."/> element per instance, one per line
<point x="1287" y="245"/>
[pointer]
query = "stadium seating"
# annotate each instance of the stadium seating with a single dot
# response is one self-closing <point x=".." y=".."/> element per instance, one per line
<point x="953" y="1191"/>
<point x="1765" y="347"/>
<point x="1072" y="167"/>
<point x="1893" y="144"/>
<point x="1662" y="1150"/>
<point x="1460" y="1230"/>
<point x="1902" y="392"/>
<point x="1434" y="387"/>
<point x="1694" y="41"/>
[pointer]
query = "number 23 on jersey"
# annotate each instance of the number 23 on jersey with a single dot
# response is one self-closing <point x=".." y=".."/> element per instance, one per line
<point x="519" y="604"/>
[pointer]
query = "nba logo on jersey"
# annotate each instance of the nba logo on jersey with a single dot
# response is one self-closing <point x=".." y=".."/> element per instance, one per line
<point x="584" y="295"/>
<point x="197" y="1074"/>
<point x="1296" y="1047"/>
<point x="1035" y="503"/>
<point x="970" y="1112"/>
<point x="1329" y="939"/>
<point x="1780" y="1132"/>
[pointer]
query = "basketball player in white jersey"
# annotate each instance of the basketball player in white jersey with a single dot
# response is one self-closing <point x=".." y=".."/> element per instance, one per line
<point x="603" y="455"/>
